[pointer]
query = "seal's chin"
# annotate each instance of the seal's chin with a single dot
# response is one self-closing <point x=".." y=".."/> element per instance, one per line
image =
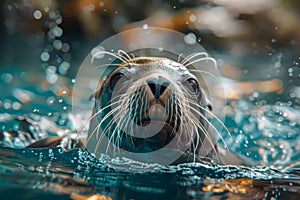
<point x="158" y="140"/>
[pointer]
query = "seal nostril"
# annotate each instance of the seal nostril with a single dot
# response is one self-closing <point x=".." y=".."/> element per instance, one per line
<point x="162" y="89"/>
<point x="157" y="87"/>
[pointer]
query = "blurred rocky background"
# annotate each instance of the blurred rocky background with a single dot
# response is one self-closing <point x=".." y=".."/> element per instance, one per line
<point x="256" y="43"/>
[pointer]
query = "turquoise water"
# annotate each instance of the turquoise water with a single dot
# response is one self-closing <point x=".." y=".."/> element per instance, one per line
<point x="268" y="133"/>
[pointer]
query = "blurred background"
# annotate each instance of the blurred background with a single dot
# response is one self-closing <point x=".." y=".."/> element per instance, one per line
<point x="256" y="43"/>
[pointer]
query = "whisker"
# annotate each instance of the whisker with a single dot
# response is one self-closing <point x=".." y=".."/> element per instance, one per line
<point x="109" y="125"/>
<point x="102" y="121"/>
<point x="127" y="57"/>
<point x="108" y="53"/>
<point x="94" y="115"/>
<point x="193" y="55"/>
<point x="213" y="115"/>
<point x="209" y="123"/>
<point x="105" y="65"/>
<point x="205" y="132"/>
<point x="202" y="59"/>
<point x="205" y="72"/>
<point x="179" y="57"/>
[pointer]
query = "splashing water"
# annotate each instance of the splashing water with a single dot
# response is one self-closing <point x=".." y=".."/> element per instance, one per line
<point x="267" y="133"/>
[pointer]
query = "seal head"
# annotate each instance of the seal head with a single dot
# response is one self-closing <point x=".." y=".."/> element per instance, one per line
<point x="146" y="103"/>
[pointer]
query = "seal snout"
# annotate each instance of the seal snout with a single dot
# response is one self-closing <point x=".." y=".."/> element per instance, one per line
<point x="158" y="86"/>
<point x="157" y="112"/>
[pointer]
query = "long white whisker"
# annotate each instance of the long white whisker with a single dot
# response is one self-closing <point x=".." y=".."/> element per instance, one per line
<point x="127" y="57"/>
<point x="205" y="72"/>
<point x="213" y="115"/>
<point x="108" y="53"/>
<point x="193" y="55"/>
<point x="202" y="59"/>
<point x="204" y="118"/>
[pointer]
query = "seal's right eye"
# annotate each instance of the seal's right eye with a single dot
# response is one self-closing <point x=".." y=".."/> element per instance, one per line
<point x="192" y="86"/>
<point x="117" y="80"/>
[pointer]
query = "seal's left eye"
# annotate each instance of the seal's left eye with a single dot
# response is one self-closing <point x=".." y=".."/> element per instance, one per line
<point x="192" y="86"/>
<point x="117" y="80"/>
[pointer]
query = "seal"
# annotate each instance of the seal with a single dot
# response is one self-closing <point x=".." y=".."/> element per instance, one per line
<point x="146" y="104"/>
<point x="149" y="103"/>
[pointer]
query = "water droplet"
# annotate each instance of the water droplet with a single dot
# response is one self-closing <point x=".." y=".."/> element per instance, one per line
<point x="98" y="52"/>
<point x="6" y="77"/>
<point x="57" y="44"/>
<point x="16" y="106"/>
<point x="64" y="67"/>
<point x="190" y="38"/>
<point x="36" y="110"/>
<point x="37" y="14"/>
<point x="45" y="56"/>
<point x="65" y="47"/>
<point x="101" y="4"/>
<point x="145" y="26"/>
<point x="193" y="18"/>
<point x="50" y="100"/>
<point x="7" y="104"/>
<point x="57" y="31"/>
<point x="52" y="78"/>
